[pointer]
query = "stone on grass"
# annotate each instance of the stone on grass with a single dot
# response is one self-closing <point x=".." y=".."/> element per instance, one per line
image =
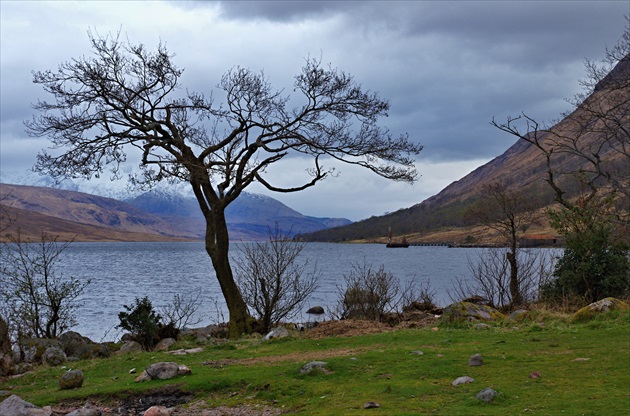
<point x="164" y="344"/>
<point x="467" y="311"/>
<point x="599" y="307"/>
<point x="72" y="379"/>
<point x="535" y="374"/>
<point x="482" y="326"/>
<point x="163" y="370"/>
<point x="417" y="353"/>
<point x="85" y="411"/>
<point x="313" y="366"/>
<point x="462" y="380"/>
<point x="54" y="356"/>
<point x="518" y="315"/>
<point x="15" y="406"/>
<point x="157" y="411"/>
<point x="279" y="332"/>
<point x="130" y="346"/>
<point x="475" y="360"/>
<point x="487" y="395"/>
<point x="371" y="405"/>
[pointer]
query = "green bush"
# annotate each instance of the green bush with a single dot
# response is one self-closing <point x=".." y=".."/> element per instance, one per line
<point x="142" y="322"/>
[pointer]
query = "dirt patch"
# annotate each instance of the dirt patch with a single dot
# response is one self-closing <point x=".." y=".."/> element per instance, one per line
<point x="347" y="328"/>
<point x="178" y="402"/>
<point x="199" y="409"/>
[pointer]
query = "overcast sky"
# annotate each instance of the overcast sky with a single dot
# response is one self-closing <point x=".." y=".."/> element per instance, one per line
<point x="447" y="68"/>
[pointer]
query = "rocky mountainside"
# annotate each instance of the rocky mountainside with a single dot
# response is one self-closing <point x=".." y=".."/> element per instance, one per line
<point x="522" y="167"/>
<point x="147" y="217"/>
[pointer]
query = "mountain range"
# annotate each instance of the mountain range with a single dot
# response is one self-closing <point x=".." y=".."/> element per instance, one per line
<point x="169" y="214"/>
<point x="151" y="216"/>
<point x="522" y="167"/>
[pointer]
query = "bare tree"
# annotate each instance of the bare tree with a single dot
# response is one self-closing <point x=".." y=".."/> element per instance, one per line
<point x="587" y="160"/>
<point x="182" y="311"/>
<point x="124" y="96"/>
<point x="491" y="280"/>
<point x="508" y="212"/>
<point x="37" y="300"/>
<point x="273" y="281"/>
<point x="597" y="134"/>
<point x="368" y="293"/>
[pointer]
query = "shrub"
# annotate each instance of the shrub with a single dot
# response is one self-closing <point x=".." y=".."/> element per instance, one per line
<point x="141" y="321"/>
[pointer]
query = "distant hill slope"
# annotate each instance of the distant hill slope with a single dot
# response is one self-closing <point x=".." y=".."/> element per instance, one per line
<point x="148" y="217"/>
<point x="521" y="167"/>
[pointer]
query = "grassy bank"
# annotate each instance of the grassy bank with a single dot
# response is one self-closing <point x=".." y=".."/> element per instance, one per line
<point x="584" y="368"/>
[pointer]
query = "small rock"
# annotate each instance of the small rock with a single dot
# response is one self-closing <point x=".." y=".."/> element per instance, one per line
<point x="72" y="379"/>
<point x="157" y="411"/>
<point x="14" y="406"/>
<point x="475" y="361"/>
<point x="417" y="353"/>
<point x="482" y="326"/>
<point x="183" y="370"/>
<point x="518" y="314"/>
<point x="315" y="310"/>
<point x="130" y="346"/>
<point x="279" y="332"/>
<point x="85" y="411"/>
<point x="487" y="395"/>
<point x="313" y="365"/>
<point x="144" y="376"/>
<point x="163" y="370"/>
<point x="371" y="405"/>
<point x="54" y="356"/>
<point x="535" y="374"/>
<point x="133" y="371"/>
<point x="164" y="344"/>
<point x="462" y="380"/>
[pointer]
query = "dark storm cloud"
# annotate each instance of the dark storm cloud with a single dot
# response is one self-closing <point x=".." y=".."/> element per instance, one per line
<point x="446" y="67"/>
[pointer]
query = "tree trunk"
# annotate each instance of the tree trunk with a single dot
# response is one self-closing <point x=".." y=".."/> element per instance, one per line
<point x="217" y="247"/>
<point x="515" y="292"/>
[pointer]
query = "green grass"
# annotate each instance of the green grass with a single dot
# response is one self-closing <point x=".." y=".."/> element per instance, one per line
<point x="381" y="368"/>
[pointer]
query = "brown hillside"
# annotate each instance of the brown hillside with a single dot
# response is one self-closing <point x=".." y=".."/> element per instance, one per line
<point x="88" y="217"/>
<point x="521" y="167"/>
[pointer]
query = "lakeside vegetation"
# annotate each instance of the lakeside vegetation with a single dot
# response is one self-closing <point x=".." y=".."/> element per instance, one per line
<point x="584" y="369"/>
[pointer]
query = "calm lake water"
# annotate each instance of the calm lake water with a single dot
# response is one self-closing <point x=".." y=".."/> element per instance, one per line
<point x="120" y="272"/>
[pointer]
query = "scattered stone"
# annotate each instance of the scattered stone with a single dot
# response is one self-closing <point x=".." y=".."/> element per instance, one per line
<point x="133" y="371"/>
<point x="279" y="332"/>
<point x="467" y="311"/>
<point x="462" y="380"/>
<point x="487" y="395"/>
<point x="518" y="315"/>
<point x="312" y="366"/>
<point x="144" y="376"/>
<point x="183" y="370"/>
<point x="164" y="344"/>
<point x="417" y="353"/>
<point x="535" y="374"/>
<point x="31" y="350"/>
<point x="85" y="411"/>
<point x="580" y="359"/>
<point x="163" y="370"/>
<point x="54" y="356"/>
<point x="130" y="346"/>
<point x="475" y="360"/>
<point x="15" y="406"/>
<point x="482" y="326"/>
<point x="157" y="411"/>
<point x="371" y="405"/>
<point x="72" y="379"/>
<point x="315" y="310"/>
<point x="601" y="306"/>
<point x="186" y="351"/>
